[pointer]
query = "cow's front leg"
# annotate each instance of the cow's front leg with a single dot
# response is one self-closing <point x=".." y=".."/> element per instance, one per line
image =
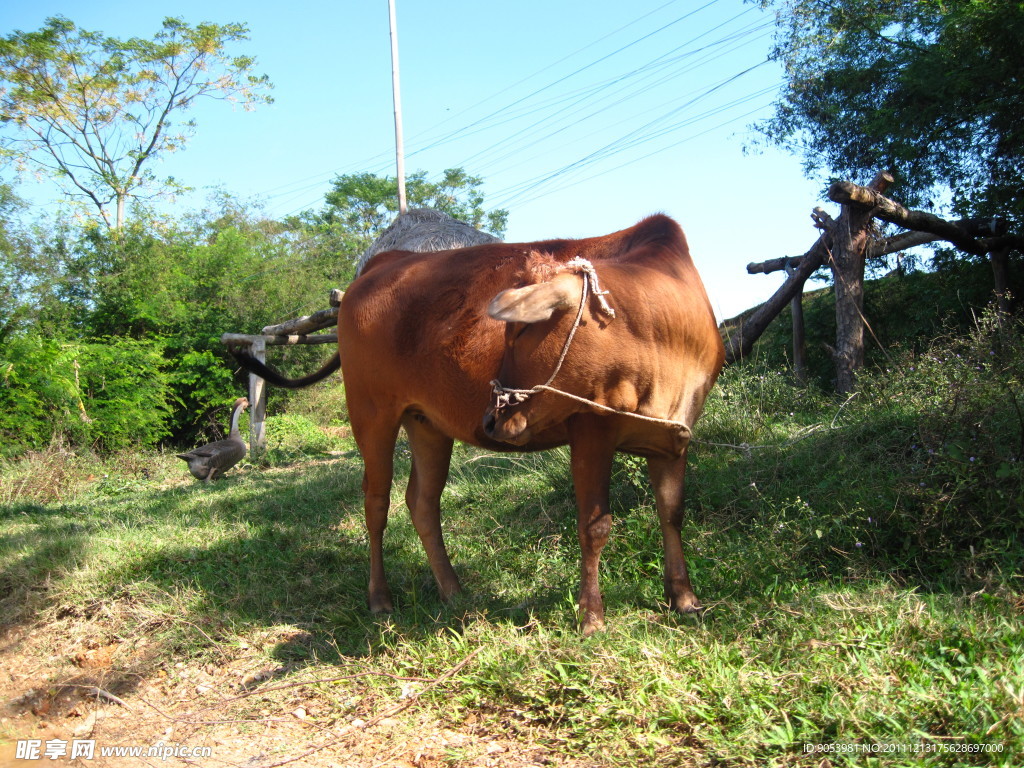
<point x="667" y="477"/>
<point x="592" y="454"/>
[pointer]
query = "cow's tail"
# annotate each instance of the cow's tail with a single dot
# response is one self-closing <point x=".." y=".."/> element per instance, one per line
<point x="267" y="373"/>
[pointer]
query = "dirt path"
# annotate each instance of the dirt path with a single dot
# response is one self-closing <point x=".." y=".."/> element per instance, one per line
<point x="70" y="694"/>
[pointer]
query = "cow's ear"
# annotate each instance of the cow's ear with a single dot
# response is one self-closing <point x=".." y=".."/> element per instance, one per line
<point x="536" y="303"/>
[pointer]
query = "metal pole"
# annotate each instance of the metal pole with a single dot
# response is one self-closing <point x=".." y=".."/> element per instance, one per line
<point x="399" y="148"/>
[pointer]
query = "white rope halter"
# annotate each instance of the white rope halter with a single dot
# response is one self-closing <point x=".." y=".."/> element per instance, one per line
<point x="507" y="397"/>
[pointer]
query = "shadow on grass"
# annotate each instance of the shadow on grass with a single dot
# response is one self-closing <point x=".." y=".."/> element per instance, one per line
<point x="283" y="551"/>
<point x="35" y="542"/>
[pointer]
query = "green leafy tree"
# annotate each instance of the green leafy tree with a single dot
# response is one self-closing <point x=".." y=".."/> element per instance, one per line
<point x="45" y="284"/>
<point x="929" y="89"/>
<point x="364" y="203"/>
<point x="13" y="276"/>
<point x="93" y="110"/>
<point x="360" y="206"/>
<point x="177" y="284"/>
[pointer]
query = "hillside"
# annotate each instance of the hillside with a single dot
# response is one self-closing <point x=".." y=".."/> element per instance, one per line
<point x="904" y="311"/>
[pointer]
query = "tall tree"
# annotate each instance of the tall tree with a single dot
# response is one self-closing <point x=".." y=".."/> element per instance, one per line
<point x="359" y="206"/>
<point x="929" y="89"/>
<point x="366" y="203"/>
<point x="93" y="110"/>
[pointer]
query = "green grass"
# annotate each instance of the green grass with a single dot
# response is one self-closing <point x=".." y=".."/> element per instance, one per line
<point x="862" y="577"/>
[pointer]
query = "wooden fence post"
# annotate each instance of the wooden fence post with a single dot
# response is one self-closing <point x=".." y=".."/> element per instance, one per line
<point x="847" y="260"/>
<point x="796" y="306"/>
<point x="257" y="401"/>
<point x="296" y="331"/>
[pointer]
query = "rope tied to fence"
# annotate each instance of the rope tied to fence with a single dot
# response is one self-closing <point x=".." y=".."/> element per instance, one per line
<point x="508" y="397"/>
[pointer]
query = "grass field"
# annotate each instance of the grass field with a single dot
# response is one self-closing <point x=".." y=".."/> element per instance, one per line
<point x="859" y="560"/>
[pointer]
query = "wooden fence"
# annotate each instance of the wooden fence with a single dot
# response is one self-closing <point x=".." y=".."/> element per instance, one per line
<point x="301" y="330"/>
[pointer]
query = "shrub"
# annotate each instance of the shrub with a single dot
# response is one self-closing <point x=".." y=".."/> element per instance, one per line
<point x="922" y="470"/>
<point x="962" y="482"/>
<point x="110" y="394"/>
<point x="291" y="436"/>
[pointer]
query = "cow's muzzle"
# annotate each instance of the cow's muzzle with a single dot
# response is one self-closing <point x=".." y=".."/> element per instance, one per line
<point x="502" y="422"/>
<point x="510" y="428"/>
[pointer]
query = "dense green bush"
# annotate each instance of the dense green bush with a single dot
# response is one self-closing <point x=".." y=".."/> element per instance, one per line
<point x="38" y="390"/>
<point x="171" y="286"/>
<point x="108" y="394"/>
<point x="962" y="486"/>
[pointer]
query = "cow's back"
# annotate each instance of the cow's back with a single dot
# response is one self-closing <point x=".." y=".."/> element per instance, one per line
<point x="414" y="333"/>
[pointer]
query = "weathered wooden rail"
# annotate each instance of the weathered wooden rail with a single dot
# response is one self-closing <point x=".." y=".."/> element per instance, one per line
<point x="844" y="245"/>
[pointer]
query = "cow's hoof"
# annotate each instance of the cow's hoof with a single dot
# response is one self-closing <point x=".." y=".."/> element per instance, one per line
<point x="450" y="593"/>
<point x="591" y="624"/>
<point x="686" y="604"/>
<point x="381" y="604"/>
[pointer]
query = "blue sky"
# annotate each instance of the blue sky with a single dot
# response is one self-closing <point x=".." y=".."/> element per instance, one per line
<point x="581" y="118"/>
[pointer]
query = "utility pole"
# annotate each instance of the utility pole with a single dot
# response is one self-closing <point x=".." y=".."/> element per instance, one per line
<point x="399" y="148"/>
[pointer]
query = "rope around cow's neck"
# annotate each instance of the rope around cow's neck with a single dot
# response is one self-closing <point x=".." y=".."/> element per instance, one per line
<point x="505" y="397"/>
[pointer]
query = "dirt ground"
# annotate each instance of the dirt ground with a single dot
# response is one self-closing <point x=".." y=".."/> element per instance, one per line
<point x="65" y="693"/>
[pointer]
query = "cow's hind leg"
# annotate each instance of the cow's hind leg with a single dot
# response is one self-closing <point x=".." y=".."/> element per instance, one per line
<point x="668" y="478"/>
<point x="431" y="459"/>
<point x="376" y="438"/>
<point x="592" y="454"/>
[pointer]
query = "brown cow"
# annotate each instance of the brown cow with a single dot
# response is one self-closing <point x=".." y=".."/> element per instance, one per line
<point x="453" y="345"/>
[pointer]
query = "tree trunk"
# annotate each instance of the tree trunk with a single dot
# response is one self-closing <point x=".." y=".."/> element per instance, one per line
<point x="121" y="198"/>
<point x="849" y="248"/>
<point x="1001" y="278"/>
<point x="847" y="265"/>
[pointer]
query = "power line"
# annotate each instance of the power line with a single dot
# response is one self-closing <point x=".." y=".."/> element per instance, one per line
<point x="538" y="193"/>
<point x="371" y="164"/>
<point x="560" y="115"/>
<point x="626" y="82"/>
<point x="619" y="144"/>
<point x="452" y="136"/>
<point x="547" y="67"/>
<point x="568" y="121"/>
